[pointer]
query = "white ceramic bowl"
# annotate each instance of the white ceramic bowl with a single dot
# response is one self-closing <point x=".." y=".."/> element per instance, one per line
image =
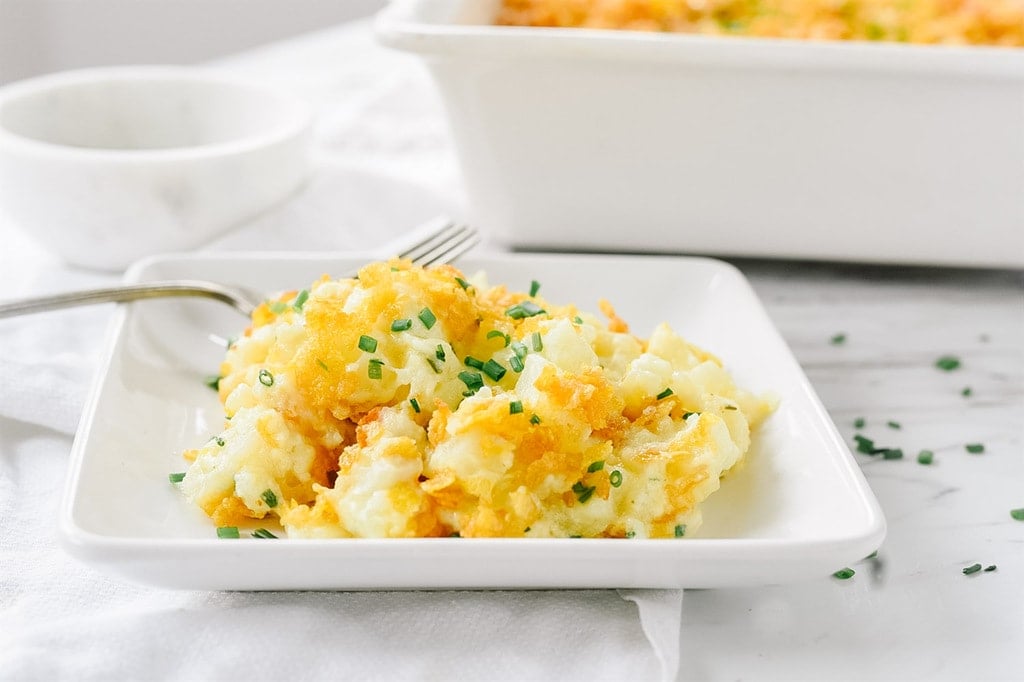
<point x="106" y="165"/>
<point x="621" y="140"/>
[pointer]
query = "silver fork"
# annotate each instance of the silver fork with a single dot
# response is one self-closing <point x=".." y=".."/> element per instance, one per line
<point x="443" y="245"/>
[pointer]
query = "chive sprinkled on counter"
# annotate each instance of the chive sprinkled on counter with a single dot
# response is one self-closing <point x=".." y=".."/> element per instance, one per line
<point x="534" y="287"/>
<point x="374" y="369"/>
<point x="615" y="478"/>
<point x="415" y="405"/>
<point x="859" y="423"/>
<point x="1017" y="514"/>
<point x="925" y="457"/>
<point x="263" y="534"/>
<point x="401" y="325"/>
<point x="892" y="453"/>
<point x="680" y="530"/>
<point x="844" y="573"/>
<point x="524" y="309"/>
<point x="664" y="394"/>
<point x="973" y="568"/>
<point x="494" y="370"/>
<point x="300" y="300"/>
<point x="367" y="343"/>
<point x="990" y="568"/>
<point x="595" y="466"/>
<point x="427" y="317"/>
<point x="975" y="448"/>
<point x="948" y="363"/>
<point x="515" y="407"/>
<point x="966" y="392"/>
<point x="864" y="444"/>
<point x="176" y="477"/>
<point x="893" y="425"/>
<point x="266" y="378"/>
<point x="228" y="532"/>
<point x="838" y="339"/>
<point x="269" y="497"/>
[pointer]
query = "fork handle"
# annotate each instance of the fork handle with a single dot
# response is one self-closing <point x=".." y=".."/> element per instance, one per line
<point x="116" y="294"/>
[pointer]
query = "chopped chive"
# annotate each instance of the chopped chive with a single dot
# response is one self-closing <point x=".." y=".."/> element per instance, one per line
<point x="213" y="382"/>
<point x="515" y="407"/>
<point x="494" y="370"/>
<point x="177" y="477"/>
<point x="277" y="307"/>
<point x="527" y="529"/>
<point x="516" y="363"/>
<point x="232" y="340"/>
<point x="948" y="363"/>
<point x="864" y="445"/>
<point x="974" y="448"/>
<point x="415" y="405"/>
<point x="925" y="457"/>
<point x="686" y="415"/>
<point x="401" y="325"/>
<point x="595" y="466"/>
<point x="664" y="394"/>
<point x="838" y="339"/>
<point x="538" y="342"/>
<point x="844" y="573"/>
<point x="269" y="497"/>
<point x="520" y="349"/>
<point x="534" y="419"/>
<point x="496" y="333"/>
<point x="456" y="534"/>
<point x="374" y="369"/>
<point x="615" y="478"/>
<point x="967" y="392"/>
<point x="228" y="532"/>
<point x="893" y="425"/>
<point x="394" y="269"/>
<point x="630" y="533"/>
<point x="263" y="534"/>
<point x="323" y="365"/>
<point x="583" y="492"/>
<point x="439" y="352"/>
<point x="470" y="361"/>
<point x="731" y="408"/>
<point x="368" y="344"/>
<point x="1017" y="514"/>
<point x="990" y="568"/>
<point x="301" y="299"/>
<point x="524" y="309"/>
<point x="427" y="317"/>
<point x="973" y="568"/>
<point x="433" y="365"/>
<point x="473" y="380"/>
<point x="462" y="283"/>
<point x="892" y="453"/>
<point x="534" y="287"/>
<point x="872" y="555"/>
<point x="858" y="423"/>
<point x="680" y="530"/>
<point x="219" y="441"/>
<point x="266" y="378"/>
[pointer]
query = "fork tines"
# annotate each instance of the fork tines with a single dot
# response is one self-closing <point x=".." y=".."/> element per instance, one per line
<point x="443" y="246"/>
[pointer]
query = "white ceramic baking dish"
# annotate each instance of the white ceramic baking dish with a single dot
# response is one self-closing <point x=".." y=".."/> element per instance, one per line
<point x="616" y="140"/>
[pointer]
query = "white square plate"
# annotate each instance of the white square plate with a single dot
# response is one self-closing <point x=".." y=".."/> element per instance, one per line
<point x="798" y="508"/>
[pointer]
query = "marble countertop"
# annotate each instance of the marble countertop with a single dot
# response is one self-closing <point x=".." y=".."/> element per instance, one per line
<point x="907" y="613"/>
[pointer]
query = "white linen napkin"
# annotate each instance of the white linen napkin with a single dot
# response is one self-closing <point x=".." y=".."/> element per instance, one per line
<point x="383" y="163"/>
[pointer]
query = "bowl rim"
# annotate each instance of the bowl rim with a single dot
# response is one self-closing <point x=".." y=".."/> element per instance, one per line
<point x="431" y="28"/>
<point x="295" y="120"/>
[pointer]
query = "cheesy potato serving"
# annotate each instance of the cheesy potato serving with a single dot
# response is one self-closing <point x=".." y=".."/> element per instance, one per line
<point x="410" y="402"/>
<point x="951" y="22"/>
